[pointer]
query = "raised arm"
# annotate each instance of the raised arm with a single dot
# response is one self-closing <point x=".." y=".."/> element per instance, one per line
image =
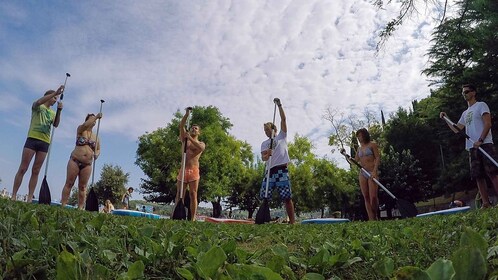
<point x="283" y="120"/>
<point x="47" y="97"/>
<point x="183" y="130"/>
<point x="88" y="123"/>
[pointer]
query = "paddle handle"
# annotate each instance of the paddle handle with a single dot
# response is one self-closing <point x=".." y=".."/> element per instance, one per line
<point x="268" y="165"/>
<point x="471" y="141"/>
<point x="184" y="156"/>
<point x="350" y="159"/>
<point x="96" y="142"/>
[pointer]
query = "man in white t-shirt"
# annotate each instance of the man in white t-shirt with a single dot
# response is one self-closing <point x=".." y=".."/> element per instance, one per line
<point x="279" y="174"/>
<point x="477" y="123"/>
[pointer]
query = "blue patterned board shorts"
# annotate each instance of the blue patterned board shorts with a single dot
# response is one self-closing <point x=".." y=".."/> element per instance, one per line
<point x="480" y="165"/>
<point x="279" y="179"/>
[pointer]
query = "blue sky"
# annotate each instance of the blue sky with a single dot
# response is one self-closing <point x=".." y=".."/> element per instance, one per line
<point x="147" y="59"/>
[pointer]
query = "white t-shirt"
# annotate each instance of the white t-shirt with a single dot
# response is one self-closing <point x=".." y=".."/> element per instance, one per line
<point x="280" y="153"/>
<point x="472" y="120"/>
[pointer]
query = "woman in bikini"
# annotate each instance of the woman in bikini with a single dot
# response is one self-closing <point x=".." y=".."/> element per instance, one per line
<point x="369" y="157"/>
<point x="80" y="162"/>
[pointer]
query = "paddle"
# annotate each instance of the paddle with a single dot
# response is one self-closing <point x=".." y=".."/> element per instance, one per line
<point x="179" y="212"/>
<point x="406" y="208"/>
<point x="44" y="196"/>
<point x="92" y="202"/>
<point x="263" y="214"/>
<point x="472" y="141"/>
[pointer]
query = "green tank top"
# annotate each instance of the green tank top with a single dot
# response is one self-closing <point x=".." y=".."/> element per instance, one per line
<point x="42" y="119"/>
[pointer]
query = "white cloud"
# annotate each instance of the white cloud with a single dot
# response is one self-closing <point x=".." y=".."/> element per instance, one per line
<point x="147" y="59"/>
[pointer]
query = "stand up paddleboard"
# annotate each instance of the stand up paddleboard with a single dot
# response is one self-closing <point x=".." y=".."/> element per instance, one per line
<point x="325" y="221"/>
<point x="446" y="211"/>
<point x="227" y="221"/>
<point x="53" y="203"/>
<point x="132" y="213"/>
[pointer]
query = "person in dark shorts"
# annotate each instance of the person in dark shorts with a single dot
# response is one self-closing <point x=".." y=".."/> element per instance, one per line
<point x="279" y="174"/>
<point x="38" y="141"/>
<point x="477" y="122"/>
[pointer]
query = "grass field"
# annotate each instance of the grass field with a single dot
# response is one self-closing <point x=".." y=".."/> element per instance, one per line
<point x="47" y="242"/>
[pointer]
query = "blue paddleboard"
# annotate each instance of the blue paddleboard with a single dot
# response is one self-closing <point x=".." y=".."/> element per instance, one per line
<point x="325" y="221"/>
<point x="122" y="212"/>
<point x="446" y="211"/>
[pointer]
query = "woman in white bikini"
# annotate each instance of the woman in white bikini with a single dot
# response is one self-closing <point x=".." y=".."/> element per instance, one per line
<point x="369" y="157"/>
<point x="80" y="162"/>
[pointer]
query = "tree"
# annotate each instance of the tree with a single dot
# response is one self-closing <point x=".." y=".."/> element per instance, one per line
<point x="245" y="195"/>
<point x="406" y="10"/>
<point x="406" y="130"/>
<point x="335" y="188"/>
<point x="221" y="165"/>
<point x="344" y="127"/>
<point x="400" y="172"/>
<point x="112" y="183"/>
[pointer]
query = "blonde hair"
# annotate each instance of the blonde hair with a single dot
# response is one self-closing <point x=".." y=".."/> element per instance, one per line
<point x="270" y="125"/>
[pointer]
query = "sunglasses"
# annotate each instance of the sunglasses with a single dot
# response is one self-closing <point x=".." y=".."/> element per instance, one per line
<point x="467" y="91"/>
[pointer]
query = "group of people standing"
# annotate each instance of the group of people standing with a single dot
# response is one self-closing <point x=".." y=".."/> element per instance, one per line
<point x="476" y="120"/>
<point x="37" y="145"/>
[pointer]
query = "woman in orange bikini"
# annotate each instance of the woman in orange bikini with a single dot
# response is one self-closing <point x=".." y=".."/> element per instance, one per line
<point x="80" y="162"/>
<point x="369" y="157"/>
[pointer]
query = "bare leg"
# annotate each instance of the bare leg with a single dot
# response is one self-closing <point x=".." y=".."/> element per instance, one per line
<point x="82" y="183"/>
<point x="35" y="171"/>
<point x="373" y="190"/>
<point x="366" y="196"/>
<point x="27" y="155"/>
<point x="289" y="207"/>
<point x="193" y="187"/>
<point x="72" y="173"/>
<point x="482" y="186"/>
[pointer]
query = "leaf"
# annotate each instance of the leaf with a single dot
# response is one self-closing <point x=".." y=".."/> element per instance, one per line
<point x="147" y="230"/>
<point x="244" y="271"/>
<point x="313" y="276"/>
<point x="229" y="247"/>
<point x="320" y="258"/>
<point x="471" y="238"/>
<point x="136" y="270"/>
<point x="109" y="255"/>
<point x="209" y="262"/>
<point x="384" y="267"/>
<point x="281" y="250"/>
<point x="185" y="273"/>
<point x="441" y="270"/>
<point x="276" y="263"/>
<point x="67" y="266"/>
<point x="468" y="263"/>
<point x="97" y="222"/>
<point x="241" y="255"/>
<point x="411" y="273"/>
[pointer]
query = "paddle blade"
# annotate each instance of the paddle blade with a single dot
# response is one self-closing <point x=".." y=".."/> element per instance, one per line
<point x="407" y="209"/>
<point x="179" y="213"/>
<point x="92" y="202"/>
<point x="44" y="196"/>
<point x="263" y="215"/>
